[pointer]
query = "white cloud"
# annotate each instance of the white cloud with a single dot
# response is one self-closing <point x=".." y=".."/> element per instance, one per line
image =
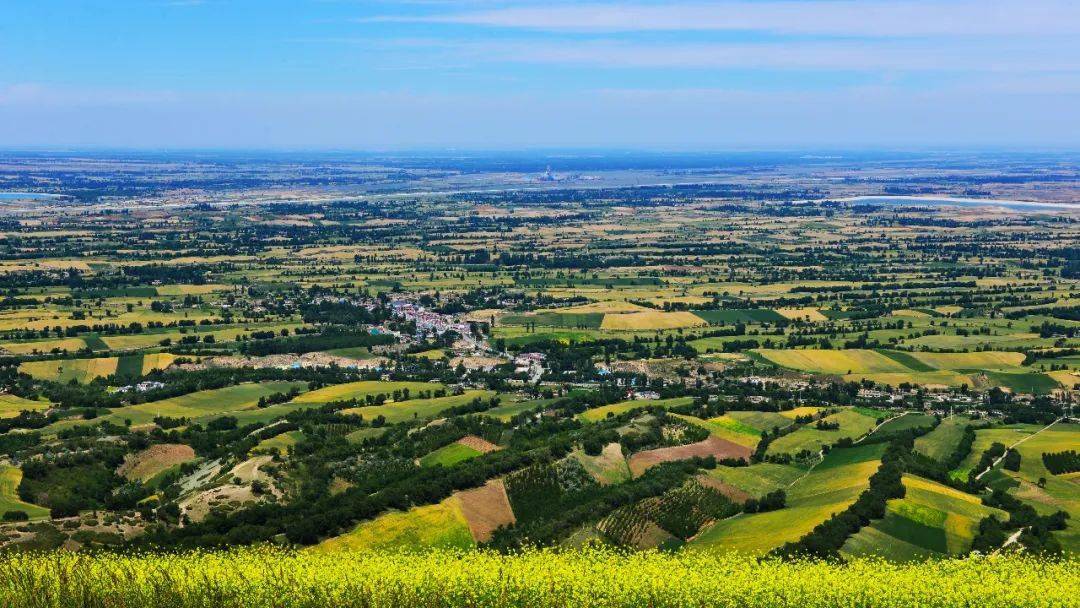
<point x="1027" y="56"/>
<point x="829" y="17"/>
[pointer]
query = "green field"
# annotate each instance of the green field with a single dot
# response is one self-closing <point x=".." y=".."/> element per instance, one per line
<point x="829" y="488"/>
<point x="360" y="390"/>
<point x="940" y="443"/>
<point x="600" y="413"/>
<point x="280" y="443"/>
<point x="931" y="519"/>
<point x="10" y="477"/>
<point x="758" y="479"/>
<point x="754" y="315"/>
<point x="449" y="455"/>
<point x="201" y="405"/>
<point x="11" y="405"/>
<point x="416" y="409"/>
<point x="853" y="424"/>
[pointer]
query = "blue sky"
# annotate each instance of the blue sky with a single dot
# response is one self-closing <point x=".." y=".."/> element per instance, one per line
<point x="371" y="74"/>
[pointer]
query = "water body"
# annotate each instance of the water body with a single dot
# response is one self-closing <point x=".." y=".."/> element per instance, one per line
<point x="948" y="201"/>
<point x="26" y="196"/>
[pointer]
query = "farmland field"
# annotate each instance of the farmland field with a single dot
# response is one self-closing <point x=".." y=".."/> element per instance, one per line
<point x="681" y="356"/>
<point x="812" y="498"/>
<point x="853" y="424"/>
<point x="415" y="408"/>
<point x="931" y="519"/>
<point x="9" y="498"/>
<point x="442" y="525"/>
<point x="11" y="405"/>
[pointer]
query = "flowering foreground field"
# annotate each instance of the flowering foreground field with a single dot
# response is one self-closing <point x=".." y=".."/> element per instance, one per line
<point x="264" y="577"/>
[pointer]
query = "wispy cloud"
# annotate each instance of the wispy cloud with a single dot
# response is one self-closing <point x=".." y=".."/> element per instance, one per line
<point x="826" y="17"/>
<point x="1027" y="56"/>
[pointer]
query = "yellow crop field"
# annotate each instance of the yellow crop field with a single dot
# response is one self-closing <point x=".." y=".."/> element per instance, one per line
<point x="43" y="346"/>
<point x="808" y="314"/>
<point x="935" y="379"/>
<point x="652" y="319"/>
<point x="1067" y="378"/>
<point x="838" y="362"/>
<point x="904" y="312"/>
<point x="66" y="370"/>
<point x="983" y="360"/>
<point x="11" y="405"/>
<point x="606" y="306"/>
<point x="155" y="361"/>
<point x="363" y="388"/>
<point x="441" y="525"/>
<point x="263" y="577"/>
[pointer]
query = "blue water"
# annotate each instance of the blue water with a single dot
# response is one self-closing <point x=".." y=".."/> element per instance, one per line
<point x="958" y="202"/>
<point x="16" y="196"/>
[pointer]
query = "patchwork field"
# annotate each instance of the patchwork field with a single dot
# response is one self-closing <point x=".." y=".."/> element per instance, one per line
<point x="85" y="370"/>
<point x="813" y="498"/>
<point x="930" y="520"/>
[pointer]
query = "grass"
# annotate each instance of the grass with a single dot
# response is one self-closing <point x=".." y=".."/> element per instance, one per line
<point x="10" y="477"/>
<point x="200" y="405"/>
<point x="600" y="413"/>
<point x="361" y="389"/>
<point x="852" y="424"/>
<point x="931" y="519"/>
<point x="758" y="479"/>
<point x="940" y="442"/>
<point x="280" y="443"/>
<point x="11" y="405"/>
<point x="395" y="412"/>
<point x="264" y="577"/>
<point x="608" y="467"/>
<point x="812" y="499"/>
<point x="449" y="455"/>
<point x="441" y="525"/>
